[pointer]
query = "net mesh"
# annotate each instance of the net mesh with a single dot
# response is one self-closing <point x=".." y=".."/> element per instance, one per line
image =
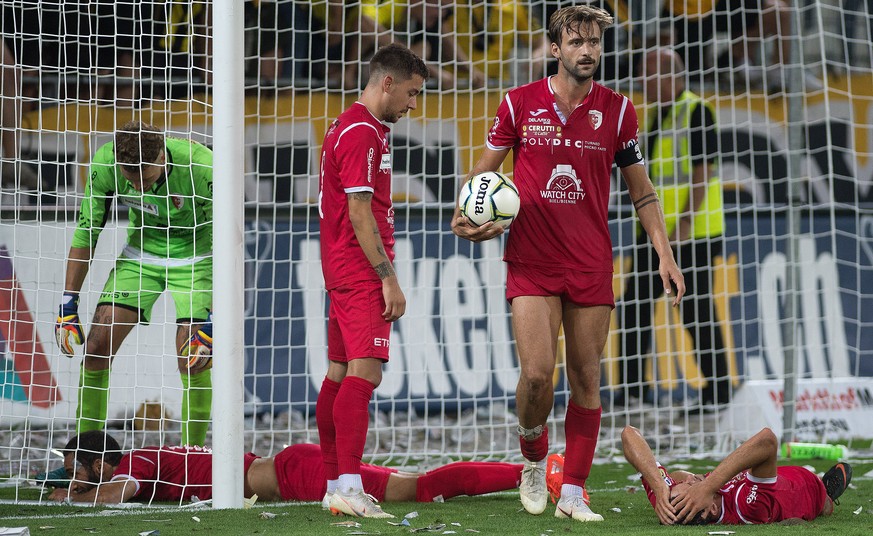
<point x="790" y="89"/>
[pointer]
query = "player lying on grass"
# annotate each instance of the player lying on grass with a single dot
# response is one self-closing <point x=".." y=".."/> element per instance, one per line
<point x="747" y="487"/>
<point x="102" y="473"/>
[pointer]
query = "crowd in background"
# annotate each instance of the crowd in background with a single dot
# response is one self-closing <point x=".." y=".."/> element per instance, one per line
<point x="126" y="54"/>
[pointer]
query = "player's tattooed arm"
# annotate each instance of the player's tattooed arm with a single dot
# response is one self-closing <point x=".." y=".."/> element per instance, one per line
<point x="367" y="231"/>
<point x="645" y="201"/>
<point x="384" y="269"/>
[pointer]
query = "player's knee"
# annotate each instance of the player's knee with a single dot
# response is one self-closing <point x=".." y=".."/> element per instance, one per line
<point x="537" y="382"/>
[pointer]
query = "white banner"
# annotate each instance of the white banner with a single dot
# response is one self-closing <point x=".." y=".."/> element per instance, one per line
<point x="827" y="409"/>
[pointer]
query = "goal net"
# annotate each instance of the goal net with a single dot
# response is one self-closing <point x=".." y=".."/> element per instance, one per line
<point x="791" y="289"/>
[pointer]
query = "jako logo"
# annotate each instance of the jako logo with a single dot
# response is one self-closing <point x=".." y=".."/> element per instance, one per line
<point x="380" y="342"/>
<point x="479" y="205"/>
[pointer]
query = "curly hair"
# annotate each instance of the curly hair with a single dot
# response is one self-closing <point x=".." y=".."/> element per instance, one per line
<point x="94" y="445"/>
<point x="138" y="143"/>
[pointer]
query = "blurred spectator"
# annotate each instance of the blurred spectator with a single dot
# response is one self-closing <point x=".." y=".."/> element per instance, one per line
<point x="852" y="10"/>
<point x="270" y="25"/>
<point x="749" y="23"/>
<point x="682" y="156"/>
<point x="489" y="34"/>
<point x="422" y="25"/>
<point x="332" y="32"/>
<point x="14" y="173"/>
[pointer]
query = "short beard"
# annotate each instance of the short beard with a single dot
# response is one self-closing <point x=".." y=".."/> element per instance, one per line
<point x="580" y="78"/>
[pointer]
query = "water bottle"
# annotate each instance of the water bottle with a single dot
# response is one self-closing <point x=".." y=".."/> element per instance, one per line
<point x="808" y="451"/>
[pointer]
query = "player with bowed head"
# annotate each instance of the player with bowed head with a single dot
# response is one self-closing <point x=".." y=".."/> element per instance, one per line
<point x="166" y="183"/>
<point x="566" y="131"/>
<point x="102" y="473"/>
<point x="357" y="250"/>
<point x="747" y="487"/>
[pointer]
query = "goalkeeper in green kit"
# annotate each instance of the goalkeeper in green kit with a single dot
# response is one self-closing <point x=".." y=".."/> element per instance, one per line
<point x="166" y="183"/>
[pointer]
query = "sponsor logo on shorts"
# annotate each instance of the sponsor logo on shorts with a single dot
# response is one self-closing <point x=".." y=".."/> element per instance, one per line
<point x="753" y="494"/>
<point x="379" y="342"/>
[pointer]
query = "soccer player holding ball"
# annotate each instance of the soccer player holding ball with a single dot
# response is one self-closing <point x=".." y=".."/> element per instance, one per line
<point x="166" y="183"/>
<point x="357" y="250"/>
<point x="566" y="131"/>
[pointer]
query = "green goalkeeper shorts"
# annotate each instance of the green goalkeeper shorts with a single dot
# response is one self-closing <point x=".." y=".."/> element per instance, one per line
<point x="136" y="286"/>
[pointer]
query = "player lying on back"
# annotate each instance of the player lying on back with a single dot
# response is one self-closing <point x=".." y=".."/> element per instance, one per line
<point x="747" y="487"/>
<point x="102" y="473"/>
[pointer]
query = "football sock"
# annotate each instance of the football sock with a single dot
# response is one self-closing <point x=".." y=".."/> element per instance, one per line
<point x="196" y="407"/>
<point x="535" y="449"/>
<point x="349" y="482"/>
<point x="351" y="417"/>
<point x="93" y="399"/>
<point x="581" y="430"/>
<point x="326" y="429"/>
<point x="467" y="478"/>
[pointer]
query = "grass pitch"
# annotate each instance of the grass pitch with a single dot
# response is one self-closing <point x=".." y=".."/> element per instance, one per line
<point x="620" y="499"/>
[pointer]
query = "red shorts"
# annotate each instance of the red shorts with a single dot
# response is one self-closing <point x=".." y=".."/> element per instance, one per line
<point x="585" y="289"/>
<point x="355" y="327"/>
<point x="300" y="473"/>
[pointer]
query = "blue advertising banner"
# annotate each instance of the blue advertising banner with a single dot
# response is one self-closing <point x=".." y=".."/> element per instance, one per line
<point x="454" y="345"/>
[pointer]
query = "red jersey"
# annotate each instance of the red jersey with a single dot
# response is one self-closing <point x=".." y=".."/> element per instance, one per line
<point x="355" y="157"/>
<point x="745" y="499"/>
<point x="562" y="169"/>
<point x="170" y="473"/>
<point x="793" y="492"/>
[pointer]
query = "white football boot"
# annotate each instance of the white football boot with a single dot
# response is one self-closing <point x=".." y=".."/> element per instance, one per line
<point x="576" y="508"/>
<point x="533" y="491"/>
<point x="357" y="504"/>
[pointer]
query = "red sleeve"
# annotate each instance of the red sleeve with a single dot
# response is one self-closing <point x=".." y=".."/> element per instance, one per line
<point x="503" y="134"/>
<point x="628" y="149"/>
<point x="359" y="156"/>
<point x="667" y="479"/>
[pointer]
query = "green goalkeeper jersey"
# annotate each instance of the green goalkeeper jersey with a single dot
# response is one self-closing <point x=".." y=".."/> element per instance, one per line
<point x="170" y="223"/>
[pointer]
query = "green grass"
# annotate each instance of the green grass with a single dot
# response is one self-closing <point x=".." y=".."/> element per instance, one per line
<point x="496" y="514"/>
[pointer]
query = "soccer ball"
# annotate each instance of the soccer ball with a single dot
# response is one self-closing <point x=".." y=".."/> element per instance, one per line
<point x="489" y="196"/>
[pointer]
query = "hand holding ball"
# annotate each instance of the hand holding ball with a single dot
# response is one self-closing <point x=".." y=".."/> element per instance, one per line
<point x="489" y="196"/>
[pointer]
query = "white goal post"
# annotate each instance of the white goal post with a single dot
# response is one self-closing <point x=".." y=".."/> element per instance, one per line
<point x="792" y="93"/>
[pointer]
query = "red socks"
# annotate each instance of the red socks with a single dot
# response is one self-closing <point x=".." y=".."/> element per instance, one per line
<point x="467" y="478"/>
<point x="351" y="419"/>
<point x="536" y="449"/>
<point x="326" y="429"/>
<point x="582" y="428"/>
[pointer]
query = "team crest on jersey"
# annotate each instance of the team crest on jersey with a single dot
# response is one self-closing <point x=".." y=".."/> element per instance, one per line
<point x="595" y="117"/>
<point x="178" y="201"/>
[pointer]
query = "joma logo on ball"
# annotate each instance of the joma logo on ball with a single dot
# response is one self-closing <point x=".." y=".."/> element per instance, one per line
<point x="484" y="183"/>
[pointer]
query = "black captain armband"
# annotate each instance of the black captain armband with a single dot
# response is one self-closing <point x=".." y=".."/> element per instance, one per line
<point x="630" y="154"/>
<point x="645" y="201"/>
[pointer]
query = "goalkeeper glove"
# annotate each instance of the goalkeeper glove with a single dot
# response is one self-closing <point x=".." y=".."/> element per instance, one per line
<point x="68" y="328"/>
<point x="198" y="349"/>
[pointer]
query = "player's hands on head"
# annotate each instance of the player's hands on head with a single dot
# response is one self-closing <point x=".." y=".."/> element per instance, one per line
<point x="68" y="327"/>
<point x="464" y="228"/>
<point x="198" y="348"/>
<point x="665" y="511"/>
<point x="691" y="499"/>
